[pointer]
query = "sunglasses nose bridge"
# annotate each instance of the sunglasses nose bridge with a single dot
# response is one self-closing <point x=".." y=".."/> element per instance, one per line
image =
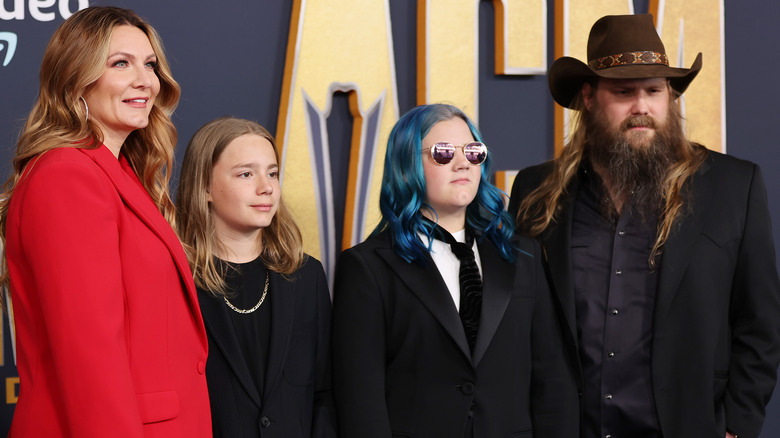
<point x="462" y="154"/>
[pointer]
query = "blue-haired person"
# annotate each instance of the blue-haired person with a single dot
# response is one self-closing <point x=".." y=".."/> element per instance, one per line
<point x="443" y="321"/>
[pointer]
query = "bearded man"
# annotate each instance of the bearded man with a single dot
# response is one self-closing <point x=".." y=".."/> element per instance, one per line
<point x="660" y="252"/>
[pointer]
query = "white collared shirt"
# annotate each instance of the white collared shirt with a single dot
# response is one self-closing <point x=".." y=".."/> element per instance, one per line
<point x="448" y="264"/>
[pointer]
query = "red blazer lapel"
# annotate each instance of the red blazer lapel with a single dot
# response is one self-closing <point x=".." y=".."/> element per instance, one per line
<point x="132" y="192"/>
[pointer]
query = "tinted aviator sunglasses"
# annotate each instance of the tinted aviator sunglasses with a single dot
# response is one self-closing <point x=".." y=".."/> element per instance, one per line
<point x="443" y="153"/>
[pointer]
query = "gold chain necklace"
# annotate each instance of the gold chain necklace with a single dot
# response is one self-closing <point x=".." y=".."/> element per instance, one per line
<point x="257" y="306"/>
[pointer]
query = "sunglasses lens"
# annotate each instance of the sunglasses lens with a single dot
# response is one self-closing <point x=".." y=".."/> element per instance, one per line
<point x="442" y="153"/>
<point x="475" y="152"/>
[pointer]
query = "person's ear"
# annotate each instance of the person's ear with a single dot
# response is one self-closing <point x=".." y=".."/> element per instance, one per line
<point x="587" y="95"/>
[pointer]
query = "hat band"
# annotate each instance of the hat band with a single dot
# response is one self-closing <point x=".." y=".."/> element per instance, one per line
<point x="629" y="58"/>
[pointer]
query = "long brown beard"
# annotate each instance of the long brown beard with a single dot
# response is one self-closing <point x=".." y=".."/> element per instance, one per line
<point x="635" y="167"/>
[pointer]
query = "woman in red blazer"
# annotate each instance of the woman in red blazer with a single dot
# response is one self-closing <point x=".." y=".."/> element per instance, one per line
<point x="110" y="341"/>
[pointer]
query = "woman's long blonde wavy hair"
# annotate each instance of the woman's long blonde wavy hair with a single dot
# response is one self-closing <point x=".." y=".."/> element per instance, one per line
<point x="540" y="209"/>
<point x="281" y="241"/>
<point x="73" y="61"/>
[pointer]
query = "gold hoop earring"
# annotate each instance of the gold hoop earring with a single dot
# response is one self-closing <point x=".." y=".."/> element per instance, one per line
<point x="85" y="106"/>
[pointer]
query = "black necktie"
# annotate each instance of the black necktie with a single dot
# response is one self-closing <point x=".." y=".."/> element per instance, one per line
<point x="470" y="283"/>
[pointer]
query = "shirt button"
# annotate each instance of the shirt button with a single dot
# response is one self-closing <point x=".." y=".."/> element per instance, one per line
<point x="607" y="436"/>
<point x="201" y="367"/>
<point x="621" y="233"/>
<point x="614" y="312"/>
<point x="611" y="354"/>
<point x="618" y="272"/>
<point x="608" y="397"/>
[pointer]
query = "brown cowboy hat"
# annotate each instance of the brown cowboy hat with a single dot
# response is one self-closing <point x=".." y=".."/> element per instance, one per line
<point x="619" y="47"/>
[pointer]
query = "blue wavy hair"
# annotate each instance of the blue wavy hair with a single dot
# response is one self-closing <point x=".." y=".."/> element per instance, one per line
<point x="403" y="193"/>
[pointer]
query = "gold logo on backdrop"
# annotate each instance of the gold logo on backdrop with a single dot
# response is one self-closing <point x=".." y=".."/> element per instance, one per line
<point x="448" y="47"/>
<point x="336" y="45"/>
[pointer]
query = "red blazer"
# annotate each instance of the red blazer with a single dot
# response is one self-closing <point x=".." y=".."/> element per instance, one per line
<point x="110" y="341"/>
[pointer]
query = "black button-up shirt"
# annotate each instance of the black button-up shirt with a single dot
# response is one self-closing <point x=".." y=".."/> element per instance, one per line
<point x="615" y="297"/>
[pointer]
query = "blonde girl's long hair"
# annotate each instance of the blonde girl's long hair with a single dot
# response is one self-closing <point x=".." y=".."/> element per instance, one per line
<point x="73" y="61"/>
<point x="281" y="241"/>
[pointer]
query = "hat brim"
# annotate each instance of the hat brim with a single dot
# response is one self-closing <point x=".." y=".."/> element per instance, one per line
<point x="567" y="75"/>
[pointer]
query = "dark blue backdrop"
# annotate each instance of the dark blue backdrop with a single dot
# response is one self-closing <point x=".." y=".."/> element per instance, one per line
<point x="228" y="57"/>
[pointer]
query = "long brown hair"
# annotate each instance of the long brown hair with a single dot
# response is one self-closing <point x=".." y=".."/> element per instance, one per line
<point x="541" y="207"/>
<point x="75" y="59"/>
<point x="281" y="241"/>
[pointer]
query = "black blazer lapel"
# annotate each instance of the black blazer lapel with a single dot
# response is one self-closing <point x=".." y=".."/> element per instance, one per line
<point x="556" y="246"/>
<point x="428" y="286"/>
<point x="496" y="292"/>
<point x="282" y="311"/>
<point x="685" y="232"/>
<point x="218" y="325"/>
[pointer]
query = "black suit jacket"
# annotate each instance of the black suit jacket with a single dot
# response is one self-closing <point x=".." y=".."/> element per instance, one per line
<point x="402" y="366"/>
<point x="297" y="400"/>
<point x="716" y="324"/>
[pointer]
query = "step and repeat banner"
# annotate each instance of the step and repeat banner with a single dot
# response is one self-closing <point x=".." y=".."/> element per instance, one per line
<point x="329" y="78"/>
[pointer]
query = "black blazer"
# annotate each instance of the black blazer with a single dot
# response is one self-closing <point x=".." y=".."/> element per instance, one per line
<point x="716" y="324"/>
<point x="297" y="399"/>
<point x="402" y="366"/>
